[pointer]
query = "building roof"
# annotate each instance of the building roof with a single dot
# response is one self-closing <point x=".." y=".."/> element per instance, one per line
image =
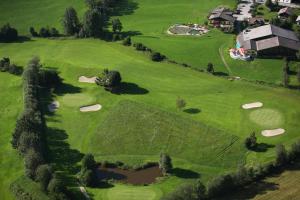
<point x="268" y="30"/>
<point x="255" y="20"/>
<point x="286" y="10"/>
<point x="222" y="13"/>
<point x="268" y="36"/>
<point x="298" y="19"/>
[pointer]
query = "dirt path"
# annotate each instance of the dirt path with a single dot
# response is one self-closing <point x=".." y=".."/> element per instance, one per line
<point x="223" y="59"/>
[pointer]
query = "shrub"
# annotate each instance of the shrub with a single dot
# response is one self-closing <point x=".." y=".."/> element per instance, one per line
<point x="127" y="41"/>
<point x="180" y="103"/>
<point x="220" y="185"/>
<point x="88" y="178"/>
<point x="210" y="68"/>
<point x="110" y="80"/>
<point x="281" y="156"/>
<point x="140" y="47"/>
<point x="33" y="32"/>
<point x="250" y="142"/>
<point x="32" y="160"/>
<point x="157" y="57"/>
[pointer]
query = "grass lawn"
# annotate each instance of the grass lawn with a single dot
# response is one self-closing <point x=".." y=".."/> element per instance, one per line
<point x="137" y="124"/>
<point x="155" y="87"/>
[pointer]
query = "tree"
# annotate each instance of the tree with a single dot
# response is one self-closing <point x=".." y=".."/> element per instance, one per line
<point x="71" y="22"/>
<point x="116" y="25"/>
<point x="165" y="163"/>
<point x="88" y="178"/>
<point x="269" y="4"/>
<point x="110" y="80"/>
<point x="88" y="162"/>
<point x="210" y="68"/>
<point x="127" y="41"/>
<point x="188" y="191"/>
<point x="33" y="32"/>
<point x="286" y="78"/>
<point x="281" y="155"/>
<point x="32" y="160"/>
<point x="93" y="23"/>
<point x="298" y="75"/>
<point x="295" y="151"/>
<point x="43" y="176"/>
<point x="250" y="142"/>
<point x="8" y="34"/>
<point x="220" y="185"/>
<point x="44" y="32"/>
<point x="180" y="103"/>
<point x="56" y="186"/>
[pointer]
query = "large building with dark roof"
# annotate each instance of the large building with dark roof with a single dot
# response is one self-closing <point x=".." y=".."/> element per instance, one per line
<point x="269" y="40"/>
<point x="222" y="18"/>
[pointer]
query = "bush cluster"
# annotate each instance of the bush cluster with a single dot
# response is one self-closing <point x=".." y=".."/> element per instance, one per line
<point x="44" y="32"/>
<point x="88" y="176"/>
<point x="110" y="80"/>
<point x="8" y="34"/>
<point x="6" y="66"/>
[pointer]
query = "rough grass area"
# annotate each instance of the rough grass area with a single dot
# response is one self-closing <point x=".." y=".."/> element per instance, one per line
<point x="27" y="189"/>
<point x="283" y="186"/>
<point x="136" y="129"/>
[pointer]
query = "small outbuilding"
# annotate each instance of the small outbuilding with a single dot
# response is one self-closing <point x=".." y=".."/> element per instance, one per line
<point x="285" y="13"/>
<point x="222" y="18"/>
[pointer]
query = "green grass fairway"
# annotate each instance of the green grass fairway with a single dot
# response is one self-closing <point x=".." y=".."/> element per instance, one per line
<point x="204" y="140"/>
<point x="267" y="118"/>
<point x="11" y="166"/>
<point x="151" y="21"/>
<point x="142" y="130"/>
<point x="217" y="103"/>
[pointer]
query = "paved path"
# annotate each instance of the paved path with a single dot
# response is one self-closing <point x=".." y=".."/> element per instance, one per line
<point x="223" y="59"/>
<point x="245" y="8"/>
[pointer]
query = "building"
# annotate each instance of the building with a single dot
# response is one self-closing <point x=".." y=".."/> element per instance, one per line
<point x="222" y="18"/>
<point x="285" y="13"/>
<point x="256" y="21"/>
<point x="298" y="20"/>
<point x="269" y="40"/>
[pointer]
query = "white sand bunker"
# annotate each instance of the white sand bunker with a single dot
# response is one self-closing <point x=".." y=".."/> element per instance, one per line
<point x="252" y="105"/>
<point x="84" y="79"/>
<point x="91" y="108"/>
<point x="53" y="106"/>
<point x="274" y="132"/>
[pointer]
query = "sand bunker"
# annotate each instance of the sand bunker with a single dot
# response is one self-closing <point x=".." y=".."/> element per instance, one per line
<point x="53" y="106"/>
<point x="274" y="132"/>
<point x="252" y="105"/>
<point x="84" y="79"/>
<point x="91" y="108"/>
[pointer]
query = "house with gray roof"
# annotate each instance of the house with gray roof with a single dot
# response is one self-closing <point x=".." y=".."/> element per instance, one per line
<point x="269" y="40"/>
<point x="222" y="18"/>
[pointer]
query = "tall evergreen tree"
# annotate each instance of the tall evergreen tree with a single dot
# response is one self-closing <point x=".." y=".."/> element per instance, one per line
<point x="116" y="25"/>
<point x="71" y="22"/>
<point x="93" y="23"/>
<point x="165" y="163"/>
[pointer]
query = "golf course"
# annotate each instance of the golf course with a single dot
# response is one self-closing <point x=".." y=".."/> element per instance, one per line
<point x="204" y="139"/>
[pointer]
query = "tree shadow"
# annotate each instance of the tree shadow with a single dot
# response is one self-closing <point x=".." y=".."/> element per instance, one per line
<point x="60" y="153"/>
<point x="192" y="110"/>
<point x="220" y="74"/>
<point x="66" y="88"/>
<point x="131" y="88"/>
<point x="124" y="7"/>
<point x="130" y="33"/>
<point x="263" y="147"/>
<point x="185" y="173"/>
<point x="21" y="39"/>
<point x="251" y="191"/>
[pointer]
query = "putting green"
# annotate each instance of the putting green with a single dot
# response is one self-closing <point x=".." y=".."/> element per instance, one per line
<point x="267" y="118"/>
<point x="77" y="100"/>
<point x="131" y="193"/>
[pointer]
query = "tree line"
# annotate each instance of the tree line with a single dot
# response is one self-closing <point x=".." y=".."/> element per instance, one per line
<point x="29" y="136"/>
<point x="243" y="176"/>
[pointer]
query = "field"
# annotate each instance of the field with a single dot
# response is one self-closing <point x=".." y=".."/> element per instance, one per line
<point x="136" y="125"/>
